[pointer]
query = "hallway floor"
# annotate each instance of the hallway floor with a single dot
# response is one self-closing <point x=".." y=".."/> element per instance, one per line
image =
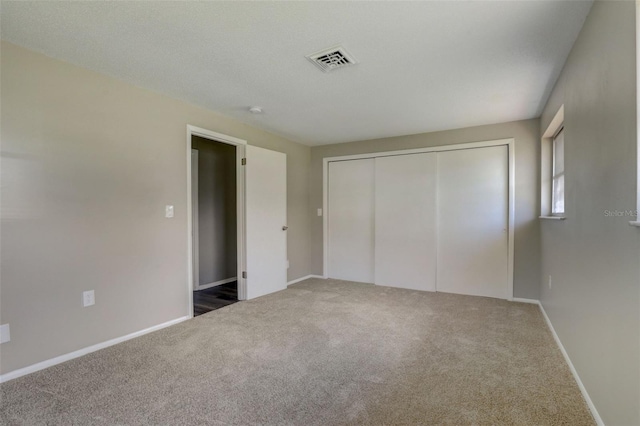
<point x="214" y="298"/>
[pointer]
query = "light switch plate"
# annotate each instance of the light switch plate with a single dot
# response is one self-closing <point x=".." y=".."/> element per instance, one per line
<point x="5" y="333"/>
<point x="319" y="212"/>
<point x="88" y="298"/>
<point x="168" y="211"/>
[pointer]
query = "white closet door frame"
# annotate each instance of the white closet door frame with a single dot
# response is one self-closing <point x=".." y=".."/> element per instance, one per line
<point x="510" y="143"/>
<point x="241" y="254"/>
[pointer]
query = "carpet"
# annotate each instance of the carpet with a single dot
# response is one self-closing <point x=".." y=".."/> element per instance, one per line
<point x="322" y="352"/>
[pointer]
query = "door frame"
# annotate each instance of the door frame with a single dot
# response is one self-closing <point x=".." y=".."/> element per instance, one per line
<point x="509" y="143"/>
<point x="195" y="220"/>
<point x="240" y="145"/>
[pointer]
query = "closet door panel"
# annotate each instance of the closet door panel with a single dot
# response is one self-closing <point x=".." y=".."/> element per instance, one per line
<point x="351" y="220"/>
<point x="472" y="206"/>
<point x="405" y="221"/>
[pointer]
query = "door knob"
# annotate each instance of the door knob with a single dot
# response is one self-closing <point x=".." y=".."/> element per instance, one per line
<point x="284" y="228"/>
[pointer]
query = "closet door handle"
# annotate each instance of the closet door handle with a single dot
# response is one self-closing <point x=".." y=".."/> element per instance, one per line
<point x="284" y="228"/>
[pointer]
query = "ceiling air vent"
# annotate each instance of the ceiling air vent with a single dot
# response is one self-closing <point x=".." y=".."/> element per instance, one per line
<point x="331" y="59"/>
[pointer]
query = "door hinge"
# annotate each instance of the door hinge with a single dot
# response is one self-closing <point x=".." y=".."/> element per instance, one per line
<point x="244" y="274"/>
<point x="244" y="161"/>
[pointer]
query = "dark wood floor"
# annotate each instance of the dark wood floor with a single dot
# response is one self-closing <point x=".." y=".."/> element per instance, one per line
<point x="214" y="298"/>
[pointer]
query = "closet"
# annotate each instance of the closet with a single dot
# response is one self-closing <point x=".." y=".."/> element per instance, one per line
<point x="405" y="221"/>
<point x="432" y="221"/>
<point x="351" y="218"/>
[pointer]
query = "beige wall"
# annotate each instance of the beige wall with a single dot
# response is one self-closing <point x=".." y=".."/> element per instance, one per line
<point x="594" y="302"/>
<point x="88" y="164"/>
<point x="526" y="135"/>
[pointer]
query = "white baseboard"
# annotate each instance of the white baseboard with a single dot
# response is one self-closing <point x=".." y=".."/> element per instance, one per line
<point x="585" y="395"/>
<point x="76" y="354"/>
<point x="306" y="277"/>
<point x="521" y="300"/>
<point x="217" y="283"/>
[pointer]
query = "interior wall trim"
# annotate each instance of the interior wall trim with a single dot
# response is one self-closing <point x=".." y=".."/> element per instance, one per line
<point x="306" y="277"/>
<point x="216" y="283"/>
<point x="240" y="145"/>
<point x="521" y="300"/>
<point x="81" y="352"/>
<point x="574" y="372"/>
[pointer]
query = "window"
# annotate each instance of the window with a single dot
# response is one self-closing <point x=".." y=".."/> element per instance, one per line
<point x="557" y="177"/>
<point x="552" y="169"/>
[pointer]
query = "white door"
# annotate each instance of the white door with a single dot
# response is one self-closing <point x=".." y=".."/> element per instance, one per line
<point x="266" y="220"/>
<point x="405" y="221"/>
<point x="473" y="222"/>
<point x="350" y="220"/>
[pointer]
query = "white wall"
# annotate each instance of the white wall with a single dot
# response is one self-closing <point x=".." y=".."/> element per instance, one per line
<point x="88" y="164"/>
<point x="594" y="301"/>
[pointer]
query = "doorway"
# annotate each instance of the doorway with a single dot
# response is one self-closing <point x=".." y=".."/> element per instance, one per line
<point x="214" y="218"/>
<point x="215" y="188"/>
<point x="260" y="220"/>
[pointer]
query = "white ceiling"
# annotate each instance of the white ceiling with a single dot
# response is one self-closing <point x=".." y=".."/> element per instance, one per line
<point x="423" y="66"/>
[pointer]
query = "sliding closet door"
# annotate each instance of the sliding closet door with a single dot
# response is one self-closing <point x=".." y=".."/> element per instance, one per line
<point x="473" y="221"/>
<point x="350" y="220"/>
<point x="405" y="221"/>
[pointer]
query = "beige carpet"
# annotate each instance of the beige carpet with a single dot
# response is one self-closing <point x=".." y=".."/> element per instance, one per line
<point x="320" y="353"/>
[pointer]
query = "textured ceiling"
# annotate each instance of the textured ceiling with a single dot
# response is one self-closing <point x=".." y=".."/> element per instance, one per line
<point x="423" y="66"/>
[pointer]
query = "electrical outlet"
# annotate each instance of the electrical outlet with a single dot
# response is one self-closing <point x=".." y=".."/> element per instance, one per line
<point x="5" y="333"/>
<point x="549" y="281"/>
<point x="88" y="298"/>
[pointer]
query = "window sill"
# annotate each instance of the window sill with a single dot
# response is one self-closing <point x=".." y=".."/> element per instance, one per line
<point x="552" y="217"/>
<point x="635" y="223"/>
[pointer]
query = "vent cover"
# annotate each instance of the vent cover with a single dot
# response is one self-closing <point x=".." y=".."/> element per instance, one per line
<point x="331" y="59"/>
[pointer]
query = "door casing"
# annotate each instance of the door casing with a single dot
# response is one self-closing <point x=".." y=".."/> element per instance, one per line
<point x="240" y="145"/>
